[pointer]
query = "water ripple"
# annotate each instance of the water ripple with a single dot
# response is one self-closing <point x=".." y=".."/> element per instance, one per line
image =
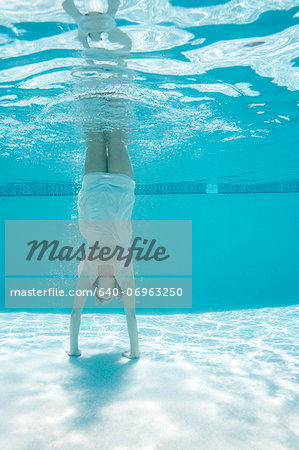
<point x="183" y="72"/>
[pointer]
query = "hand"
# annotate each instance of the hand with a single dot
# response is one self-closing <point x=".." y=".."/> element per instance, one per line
<point x="77" y="353"/>
<point x="130" y="355"/>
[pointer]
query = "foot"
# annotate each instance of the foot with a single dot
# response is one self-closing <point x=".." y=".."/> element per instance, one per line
<point x="130" y="355"/>
<point x="77" y="353"/>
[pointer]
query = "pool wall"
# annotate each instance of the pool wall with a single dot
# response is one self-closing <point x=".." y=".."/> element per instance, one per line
<point x="245" y="246"/>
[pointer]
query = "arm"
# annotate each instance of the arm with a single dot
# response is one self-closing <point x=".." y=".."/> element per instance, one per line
<point x="79" y="303"/>
<point x="112" y="7"/>
<point x="71" y="10"/>
<point x="83" y="39"/>
<point x="129" y="306"/>
<point x="120" y="37"/>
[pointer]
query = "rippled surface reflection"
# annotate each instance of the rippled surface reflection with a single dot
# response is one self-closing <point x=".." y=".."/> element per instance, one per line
<point x="213" y="89"/>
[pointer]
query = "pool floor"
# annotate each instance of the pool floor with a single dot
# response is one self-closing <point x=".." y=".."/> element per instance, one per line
<point x="204" y="381"/>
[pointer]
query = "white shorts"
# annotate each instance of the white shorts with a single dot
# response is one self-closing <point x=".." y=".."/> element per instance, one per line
<point x="105" y="205"/>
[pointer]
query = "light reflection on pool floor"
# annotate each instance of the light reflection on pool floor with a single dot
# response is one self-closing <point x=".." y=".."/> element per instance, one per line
<point x="217" y="380"/>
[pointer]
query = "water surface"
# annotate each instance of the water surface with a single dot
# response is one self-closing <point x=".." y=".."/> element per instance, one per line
<point x="213" y="88"/>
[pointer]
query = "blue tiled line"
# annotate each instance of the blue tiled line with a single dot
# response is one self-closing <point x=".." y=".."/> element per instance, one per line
<point x="53" y="189"/>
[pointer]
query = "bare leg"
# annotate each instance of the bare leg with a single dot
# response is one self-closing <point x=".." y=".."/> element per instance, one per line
<point x="96" y="154"/>
<point x="118" y="155"/>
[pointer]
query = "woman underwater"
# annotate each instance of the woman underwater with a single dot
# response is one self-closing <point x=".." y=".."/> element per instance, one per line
<point x="106" y="199"/>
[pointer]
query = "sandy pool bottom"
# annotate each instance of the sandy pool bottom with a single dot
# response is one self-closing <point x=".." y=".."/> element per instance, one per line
<point x="222" y="380"/>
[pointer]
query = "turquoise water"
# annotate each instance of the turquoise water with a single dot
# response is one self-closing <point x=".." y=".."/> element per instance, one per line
<point x="213" y="94"/>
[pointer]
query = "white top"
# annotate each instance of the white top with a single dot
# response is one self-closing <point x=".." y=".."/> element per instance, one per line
<point x="105" y="204"/>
